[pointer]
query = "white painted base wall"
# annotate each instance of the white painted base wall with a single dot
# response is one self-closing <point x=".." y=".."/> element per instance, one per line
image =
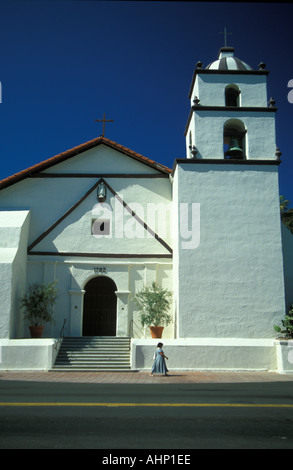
<point x="208" y="354"/>
<point x="27" y="354"/>
<point x="284" y="353"/>
<point x="204" y="354"/>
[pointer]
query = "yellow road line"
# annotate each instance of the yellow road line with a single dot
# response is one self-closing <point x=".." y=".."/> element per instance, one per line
<point x="191" y="405"/>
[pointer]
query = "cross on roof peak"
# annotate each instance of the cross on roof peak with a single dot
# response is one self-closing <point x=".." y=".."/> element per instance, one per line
<point x="103" y="121"/>
<point x="225" y="35"/>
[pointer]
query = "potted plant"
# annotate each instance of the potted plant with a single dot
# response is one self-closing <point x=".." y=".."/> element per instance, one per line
<point x="287" y="324"/>
<point x="38" y="307"/>
<point x="154" y="303"/>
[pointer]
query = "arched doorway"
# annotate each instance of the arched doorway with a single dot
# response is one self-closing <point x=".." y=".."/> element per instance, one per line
<point x="99" y="310"/>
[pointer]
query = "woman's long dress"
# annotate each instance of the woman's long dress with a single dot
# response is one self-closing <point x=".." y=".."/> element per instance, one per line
<point x="159" y="366"/>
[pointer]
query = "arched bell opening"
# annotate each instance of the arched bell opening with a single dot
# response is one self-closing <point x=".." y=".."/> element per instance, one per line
<point x="234" y="140"/>
<point x="232" y="95"/>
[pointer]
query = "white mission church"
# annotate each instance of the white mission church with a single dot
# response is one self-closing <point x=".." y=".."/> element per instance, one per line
<point x="104" y="221"/>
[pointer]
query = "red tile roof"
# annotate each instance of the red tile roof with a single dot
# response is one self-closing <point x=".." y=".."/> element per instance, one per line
<point x="76" y="151"/>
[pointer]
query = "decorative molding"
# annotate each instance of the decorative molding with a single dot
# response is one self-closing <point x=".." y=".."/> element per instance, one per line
<point x="122" y="293"/>
<point x="101" y="255"/>
<point x="244" y="109"/>
<point x="97" y="175"/>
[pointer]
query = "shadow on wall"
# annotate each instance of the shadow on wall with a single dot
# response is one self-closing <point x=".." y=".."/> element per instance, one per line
<point x="287" y="239"/>
<point x="144" y="357"/>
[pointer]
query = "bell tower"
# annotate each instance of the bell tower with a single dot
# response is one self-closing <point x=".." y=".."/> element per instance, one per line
<point x="230" y="116"/>
<point x="228" y="270"/>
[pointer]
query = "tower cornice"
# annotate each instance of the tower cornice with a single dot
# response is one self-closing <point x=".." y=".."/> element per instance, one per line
<point x="218" y="161"/>
<point x="200" y="71"/>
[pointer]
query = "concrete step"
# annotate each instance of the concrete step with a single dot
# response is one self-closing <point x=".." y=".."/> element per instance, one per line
<point x="88" y="369"/>
<point x="94" y="365"/>
<point x="94" y="353"/>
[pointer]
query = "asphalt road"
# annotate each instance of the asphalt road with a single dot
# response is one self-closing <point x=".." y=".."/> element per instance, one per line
<point x="125" y="417"/>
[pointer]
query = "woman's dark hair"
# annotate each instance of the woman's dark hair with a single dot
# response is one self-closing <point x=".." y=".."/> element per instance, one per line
<point x="159" y="345"/>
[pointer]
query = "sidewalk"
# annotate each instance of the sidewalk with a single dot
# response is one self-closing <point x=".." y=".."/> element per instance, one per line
<point x="183" y="377"/>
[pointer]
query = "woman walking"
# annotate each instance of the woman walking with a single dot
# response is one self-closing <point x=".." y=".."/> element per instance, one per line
<point x="159" y="366"/>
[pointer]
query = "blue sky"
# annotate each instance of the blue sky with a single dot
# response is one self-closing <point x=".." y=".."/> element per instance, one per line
<point x="64" y="63"/>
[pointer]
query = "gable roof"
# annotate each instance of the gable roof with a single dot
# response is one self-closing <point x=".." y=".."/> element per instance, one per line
<point x="61" y="157"/>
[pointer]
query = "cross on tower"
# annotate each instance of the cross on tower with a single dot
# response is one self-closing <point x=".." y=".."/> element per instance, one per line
<point x="225" y="35"/>
<point x="103" y="121"/>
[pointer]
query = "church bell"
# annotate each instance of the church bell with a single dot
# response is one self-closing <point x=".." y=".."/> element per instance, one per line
<point x="234" y="150"/>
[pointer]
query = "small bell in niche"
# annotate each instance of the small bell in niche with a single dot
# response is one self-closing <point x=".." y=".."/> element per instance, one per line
<point x="234" y="150"/>
<point x="101" y="194"/>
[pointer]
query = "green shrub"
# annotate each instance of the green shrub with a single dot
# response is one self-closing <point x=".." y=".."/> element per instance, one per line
<point x="154" y="303"/>
<point x="38" y="303"/>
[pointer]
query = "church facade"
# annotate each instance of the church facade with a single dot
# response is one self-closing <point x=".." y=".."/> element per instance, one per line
<point x="103" y="221"/>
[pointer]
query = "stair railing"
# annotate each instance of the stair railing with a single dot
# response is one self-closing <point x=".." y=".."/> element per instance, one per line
<point x="61" y="335"/>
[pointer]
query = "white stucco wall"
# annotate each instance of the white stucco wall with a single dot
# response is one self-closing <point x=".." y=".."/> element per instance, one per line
<point x="228" y="288"/>
<point x="102" y="159"/>
<point x="284" y="356"/>
<point x="207" y="128"/>
<point x="14" y="229"/>
<point x="208" y="354"/>
<point x="210" y="89"/>
<point x="72" y="276"/>
<point x="232" y="284"/>
<point x="49" y="198"/>
<point x="28" y="354"/>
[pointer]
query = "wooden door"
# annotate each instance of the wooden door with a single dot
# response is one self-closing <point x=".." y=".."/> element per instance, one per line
<point x="99" y="312"/>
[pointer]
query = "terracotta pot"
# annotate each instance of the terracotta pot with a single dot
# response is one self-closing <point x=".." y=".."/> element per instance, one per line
<point x="36" y="331"/>
<point x="156" y="331"/>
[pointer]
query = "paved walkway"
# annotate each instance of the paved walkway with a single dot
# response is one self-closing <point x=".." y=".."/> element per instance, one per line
<point x="145" y="378"/>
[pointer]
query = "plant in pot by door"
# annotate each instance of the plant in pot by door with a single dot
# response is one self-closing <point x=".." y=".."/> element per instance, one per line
<point x="154" y="303"/>
<point x="38" y="307"/>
